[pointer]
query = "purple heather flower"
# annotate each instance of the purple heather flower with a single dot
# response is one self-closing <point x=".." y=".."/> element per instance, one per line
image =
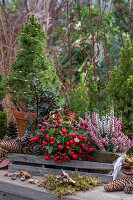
<point x="113" y="140"/>
<point x="107" y="131"/>
<point x="115" y="149"/>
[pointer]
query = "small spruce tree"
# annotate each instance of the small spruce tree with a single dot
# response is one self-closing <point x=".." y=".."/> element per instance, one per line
<point x="84" y="98"/>
<point x="120" y="87"/>
<point x="31" y="62"/>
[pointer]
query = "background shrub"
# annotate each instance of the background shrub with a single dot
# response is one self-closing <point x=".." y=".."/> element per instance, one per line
<point x="2" y="87"/>
<point x="3" y="124"/>
<point x="120" y="87"/>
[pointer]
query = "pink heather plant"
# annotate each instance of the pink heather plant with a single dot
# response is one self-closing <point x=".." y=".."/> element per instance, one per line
<point x="106" y="132"/>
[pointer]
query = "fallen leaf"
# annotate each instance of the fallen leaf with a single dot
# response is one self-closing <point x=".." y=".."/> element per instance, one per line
<point x="4" y="163"/>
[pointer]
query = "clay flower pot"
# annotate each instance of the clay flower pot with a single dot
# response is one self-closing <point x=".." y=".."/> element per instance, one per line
<point x="21" y="121"/>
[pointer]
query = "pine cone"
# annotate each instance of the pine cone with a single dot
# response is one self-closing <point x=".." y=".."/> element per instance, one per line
<point x="11" y="146"/>
<point x="37" y="150"/>
<point x="26" y="139"/>
<point x="12" y="130"/>
<point x="118" y="184"/>
<point x="1" y="107"/>
<point x="29" y="147"/>
<point x="128" y="189"/>
<point x="26" y="144"/>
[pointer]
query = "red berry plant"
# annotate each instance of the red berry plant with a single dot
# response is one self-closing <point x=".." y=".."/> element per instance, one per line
<point x="64" y="138"/>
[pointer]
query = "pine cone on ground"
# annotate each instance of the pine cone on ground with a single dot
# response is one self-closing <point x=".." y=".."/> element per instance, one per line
<point x="128" y="189"/>
<point x="12" y="130"/>
<point x="119" y="184"/>
<point x="11" y="146"/>
<point x="29" y="147"/>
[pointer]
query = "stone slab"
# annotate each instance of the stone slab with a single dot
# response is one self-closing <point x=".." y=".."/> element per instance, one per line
<point x="14" y="190"/>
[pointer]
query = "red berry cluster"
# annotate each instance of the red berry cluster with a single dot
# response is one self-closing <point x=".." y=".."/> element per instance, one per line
<point x="63" y="138"/>
<point x="35" y="139"/>
<point x="50" y="102"/>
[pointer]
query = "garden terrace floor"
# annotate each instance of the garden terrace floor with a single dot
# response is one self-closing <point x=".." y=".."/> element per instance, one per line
<point x="14" y="190"/>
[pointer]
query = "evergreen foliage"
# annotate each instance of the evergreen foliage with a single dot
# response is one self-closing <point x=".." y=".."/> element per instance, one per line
<point x="2" y="87"/>
<point x="31" y="62"/>
<point x="120" y="87"/>
<point x="42" y="102"/>
<point x="84" y="99"/>
<point x="3" y="124"/>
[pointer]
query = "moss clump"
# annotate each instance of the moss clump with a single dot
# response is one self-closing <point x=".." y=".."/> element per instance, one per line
<point x="62" y="189"/>
<point x="85" y="182"/>
<point x="3" y="154"/>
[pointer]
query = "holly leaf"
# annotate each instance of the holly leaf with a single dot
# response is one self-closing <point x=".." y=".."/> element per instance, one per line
<point x="85" y="132"/>
<point x="31" y="108"/>
<point x="66" y="124"/>
<point x="31" y="121"/>
<point x="51" y="131"/>
<point x="63" y="138"/>
<point x="38" y="132"/>
<point x="69" y="150"/>
<point x="58" y="139"/>
<point x="26" y="116"/>
<point x="50" y="149"/>
<point x="55" y="143"/>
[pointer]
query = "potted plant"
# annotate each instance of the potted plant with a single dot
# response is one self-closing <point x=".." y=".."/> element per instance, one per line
<point x="41" y="102"/>
<point x="106" y="132"/>
<point x="64" y="138"/>
<point x="31" y="63"/>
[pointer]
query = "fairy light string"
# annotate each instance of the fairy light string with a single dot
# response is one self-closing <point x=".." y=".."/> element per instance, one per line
<point x="31" y="73"/>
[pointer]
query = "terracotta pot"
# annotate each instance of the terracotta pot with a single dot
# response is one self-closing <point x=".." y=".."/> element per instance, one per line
<point x="21" y="121"/>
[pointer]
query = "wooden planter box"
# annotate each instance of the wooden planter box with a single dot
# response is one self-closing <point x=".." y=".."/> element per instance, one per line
<point x="37" y="165"/>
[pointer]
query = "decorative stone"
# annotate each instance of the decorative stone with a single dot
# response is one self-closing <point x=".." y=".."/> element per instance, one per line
<point x="31" y="180"/>
<point x="6" y="174"/>
<point x="13" y="177"/>
<point x="23" y="178"/>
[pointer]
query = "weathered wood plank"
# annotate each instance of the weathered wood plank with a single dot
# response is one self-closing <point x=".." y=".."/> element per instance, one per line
<point x="73" y="163"/>
<point x="26" y="193"/>
<point x="8" y="196"/>
<point x="38" y="171"/>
